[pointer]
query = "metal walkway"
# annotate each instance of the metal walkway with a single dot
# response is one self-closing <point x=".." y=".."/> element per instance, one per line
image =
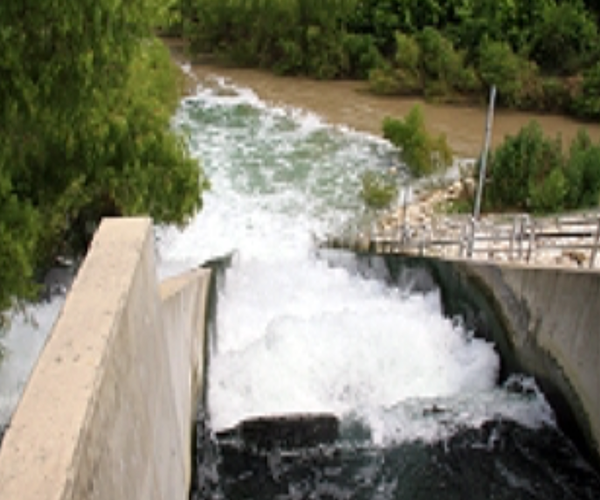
<point x="566" y="240"/>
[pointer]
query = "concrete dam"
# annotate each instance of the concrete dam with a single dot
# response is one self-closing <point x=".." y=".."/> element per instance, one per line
<point x="110" y="408"/>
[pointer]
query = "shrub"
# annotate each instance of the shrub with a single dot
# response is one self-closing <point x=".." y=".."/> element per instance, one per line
<point x="167" y="17"/>
<point x="383" y="81"/>
<point x="556" y="97"/>
<point x="291" y="36"/>
<point x="564" y="39"/>
<point x="443" y="67"/>
<point x="362" y="53"/>
<point x="290" y="61"/>
<point x="519" y="165"/>
<point x="325" y="57"/>
<point x="587" y="103"/>
<point x="548" y="195"/>
<point x="422" y="153"/>
<point x="583" y="173"/>
<point x="530" y="172"/>
<point x="407" y="61"/>
<point x="510" y="73"/>
<point x="378" y="189"/>
<point x="499" y="65"/>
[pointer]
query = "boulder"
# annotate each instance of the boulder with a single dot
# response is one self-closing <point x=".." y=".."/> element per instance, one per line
<point x="286" y="432"/>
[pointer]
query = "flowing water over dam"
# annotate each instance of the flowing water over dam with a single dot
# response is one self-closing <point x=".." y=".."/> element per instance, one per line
<point x="420" y="408"/>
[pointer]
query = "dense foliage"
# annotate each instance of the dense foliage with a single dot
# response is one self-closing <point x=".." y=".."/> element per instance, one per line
<point x="289" y="36"/>
<point x="422" y="153"/>
<point x="86" y="96"/>
<point x="539" y="53"/>
<point x="530" y="172"/>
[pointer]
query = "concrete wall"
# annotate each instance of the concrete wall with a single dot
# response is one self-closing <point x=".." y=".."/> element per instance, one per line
<point x="552" y="317"/>
<point x="108" y="410"/>
<point x="544" y="321"/>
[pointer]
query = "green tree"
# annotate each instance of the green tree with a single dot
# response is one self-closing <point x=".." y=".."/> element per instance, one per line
<point x="86" y="96"/>
<point x="288" y="36"/>
<point x="564" y="39"/>
<point x="18" y="233"/>
<point x="510" y="73"/>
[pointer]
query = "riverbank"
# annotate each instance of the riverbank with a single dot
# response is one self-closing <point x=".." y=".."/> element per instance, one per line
<point x="347" y="103"/>
<point x="350" y="104"/>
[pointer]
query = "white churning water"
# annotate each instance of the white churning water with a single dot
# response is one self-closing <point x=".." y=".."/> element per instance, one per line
<point x="300" y="332"/>
<point x="21" y="346"/>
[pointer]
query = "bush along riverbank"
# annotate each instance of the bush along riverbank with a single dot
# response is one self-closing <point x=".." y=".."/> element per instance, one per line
<point x="529" y="172"/>
<point x="86" y="102"/>
<point x="542" y="55"/>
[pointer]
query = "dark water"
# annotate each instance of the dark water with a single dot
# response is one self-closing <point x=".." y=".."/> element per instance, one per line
<point x="500" y="460"/>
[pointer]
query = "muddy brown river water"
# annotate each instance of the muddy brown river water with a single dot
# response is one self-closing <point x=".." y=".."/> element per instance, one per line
<point x="349" y="103"/>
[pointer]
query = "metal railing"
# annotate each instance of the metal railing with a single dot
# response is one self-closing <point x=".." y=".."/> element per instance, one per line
<point x="562" y="240"/>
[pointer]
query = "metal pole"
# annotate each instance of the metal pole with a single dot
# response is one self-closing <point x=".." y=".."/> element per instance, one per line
<point x="484" y="155"/>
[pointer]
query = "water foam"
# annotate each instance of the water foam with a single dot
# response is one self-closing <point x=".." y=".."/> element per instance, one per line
<point x="296" y="333"/>
<point x="21" y="346"/>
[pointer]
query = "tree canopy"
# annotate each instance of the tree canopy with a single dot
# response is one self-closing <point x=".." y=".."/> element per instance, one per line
<point x="86" y="97"/>
<point x="447" y="50"/>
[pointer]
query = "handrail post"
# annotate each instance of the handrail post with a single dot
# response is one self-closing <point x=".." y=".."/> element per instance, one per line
<point x="471" y="238"/>
<point x="595" y="247"/>
<point x="513" y="238"/>
<point x="520" y="240"/>
<point x="531" y="238"/>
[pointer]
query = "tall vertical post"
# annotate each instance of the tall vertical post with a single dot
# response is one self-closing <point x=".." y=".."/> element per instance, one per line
<point x="484" y="155"/>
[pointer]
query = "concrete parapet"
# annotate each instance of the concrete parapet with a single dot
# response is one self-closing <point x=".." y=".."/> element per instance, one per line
<point x="108" y="410"/>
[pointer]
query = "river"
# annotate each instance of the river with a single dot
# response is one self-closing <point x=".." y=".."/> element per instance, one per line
<point x="297" y="331"/>
<point x="349" y="103"/>
<point x="300" y="331"/>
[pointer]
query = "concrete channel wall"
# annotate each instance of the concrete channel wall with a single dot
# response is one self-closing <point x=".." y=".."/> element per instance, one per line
<point x="108" y="411"/>
<point x="544" y="321"/>
<point x="552" y="319"/>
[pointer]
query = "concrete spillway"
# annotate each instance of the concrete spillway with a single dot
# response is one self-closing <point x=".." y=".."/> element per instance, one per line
<point x="544" y="322"/>
<point x="109" y="408"/>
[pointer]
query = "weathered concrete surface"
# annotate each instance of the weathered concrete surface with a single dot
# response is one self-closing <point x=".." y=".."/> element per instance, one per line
<point x="552" y="319"/>
<point x="107" y="411"/>
<point x="184" y="302"/>
<point x="544" y="321"/>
